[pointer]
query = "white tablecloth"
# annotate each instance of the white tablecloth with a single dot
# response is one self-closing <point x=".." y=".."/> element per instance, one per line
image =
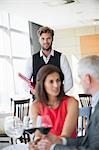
<point x="20" y="146"/>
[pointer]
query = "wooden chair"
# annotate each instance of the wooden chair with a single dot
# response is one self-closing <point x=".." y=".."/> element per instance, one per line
<point x="21" y="109"/>
<point x="84" y="117"/>
<point x="85" y="100"/>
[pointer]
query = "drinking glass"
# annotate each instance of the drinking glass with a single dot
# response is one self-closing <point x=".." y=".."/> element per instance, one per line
<point x="26" y="120"/>
<point x="28" y="127"/>
<point x="13" y="128"/>
<point x="44" y="124"/>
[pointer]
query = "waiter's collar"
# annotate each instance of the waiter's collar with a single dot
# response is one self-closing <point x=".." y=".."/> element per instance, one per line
<point x="51" y="53"/>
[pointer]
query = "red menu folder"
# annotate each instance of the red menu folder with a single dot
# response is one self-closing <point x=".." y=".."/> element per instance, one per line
<point x="29" y="82"/>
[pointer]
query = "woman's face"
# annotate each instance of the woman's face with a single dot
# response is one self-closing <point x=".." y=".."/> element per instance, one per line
<point x="52" y="84"/>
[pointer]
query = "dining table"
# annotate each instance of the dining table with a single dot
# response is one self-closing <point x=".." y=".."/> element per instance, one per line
<point x="20" y="146"/>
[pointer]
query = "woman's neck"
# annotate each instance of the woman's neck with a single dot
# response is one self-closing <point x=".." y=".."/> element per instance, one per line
<point x="53" y="102"/>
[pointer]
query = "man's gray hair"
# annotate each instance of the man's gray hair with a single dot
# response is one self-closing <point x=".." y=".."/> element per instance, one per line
<point x="89" y="65"/>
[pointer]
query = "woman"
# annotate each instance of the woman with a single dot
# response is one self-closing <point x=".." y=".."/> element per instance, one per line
<point x="51" y="100"/>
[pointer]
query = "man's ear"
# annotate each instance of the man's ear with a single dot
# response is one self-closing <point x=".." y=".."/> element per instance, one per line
<point x="88" y="79"/>
<point x="39" y="40"/>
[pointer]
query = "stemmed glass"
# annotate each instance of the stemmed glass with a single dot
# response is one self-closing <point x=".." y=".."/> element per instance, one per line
<point x="13" y="128"/>
<point x="44" y="124"/>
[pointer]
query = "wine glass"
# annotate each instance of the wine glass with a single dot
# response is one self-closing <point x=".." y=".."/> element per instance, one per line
<point x="44" y="124"/>
<point x="28" y="127"/>
<point x="13" y="127"/>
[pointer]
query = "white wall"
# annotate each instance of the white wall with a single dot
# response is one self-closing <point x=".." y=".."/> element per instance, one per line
<point x="68" y="42"/>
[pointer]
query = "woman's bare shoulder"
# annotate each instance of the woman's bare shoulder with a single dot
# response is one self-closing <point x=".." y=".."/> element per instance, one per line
<point x="73" y="102"/>
<point x="35" y="105"/>
<point x="35" y="102"/>
<point x="34" y="109"/>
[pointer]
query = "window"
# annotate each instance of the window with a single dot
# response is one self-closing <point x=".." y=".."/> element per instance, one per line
<point x="14" y="50"/>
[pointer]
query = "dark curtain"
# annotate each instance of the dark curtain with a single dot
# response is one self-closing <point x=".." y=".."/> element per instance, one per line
<point x="35" y="46"/>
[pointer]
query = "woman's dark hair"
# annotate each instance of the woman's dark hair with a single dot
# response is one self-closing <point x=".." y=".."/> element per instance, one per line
<point x="40" y="79"/>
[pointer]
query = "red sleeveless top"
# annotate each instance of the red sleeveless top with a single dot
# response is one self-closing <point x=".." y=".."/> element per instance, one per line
<point x="57" y="116"/>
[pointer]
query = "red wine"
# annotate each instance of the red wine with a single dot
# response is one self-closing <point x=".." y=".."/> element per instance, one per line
<point x="44" y="130"/>
<point x="30" y="130"/>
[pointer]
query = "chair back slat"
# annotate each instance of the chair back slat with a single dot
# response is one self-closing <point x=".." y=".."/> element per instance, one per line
<point x="21" y="107"/>
<point x="85" y="100"/>
<point x="84" y="117"/>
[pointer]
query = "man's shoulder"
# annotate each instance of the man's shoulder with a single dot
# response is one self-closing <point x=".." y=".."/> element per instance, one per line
<point x="35" y="54"/>
<point x="60" y="53"/>
<point x="57" y="52"/>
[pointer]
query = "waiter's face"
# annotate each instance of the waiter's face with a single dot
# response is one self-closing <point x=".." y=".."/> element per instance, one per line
<point x="45" y="41"/>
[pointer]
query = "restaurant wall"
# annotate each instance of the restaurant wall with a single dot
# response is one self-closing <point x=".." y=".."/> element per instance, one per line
<point x="67" y="41"/>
